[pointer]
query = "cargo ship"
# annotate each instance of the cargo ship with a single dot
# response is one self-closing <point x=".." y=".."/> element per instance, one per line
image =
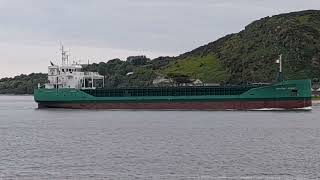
<point x="70" y="87"/>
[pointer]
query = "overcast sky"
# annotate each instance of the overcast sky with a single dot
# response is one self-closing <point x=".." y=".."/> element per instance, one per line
<point x="99" y="30"/>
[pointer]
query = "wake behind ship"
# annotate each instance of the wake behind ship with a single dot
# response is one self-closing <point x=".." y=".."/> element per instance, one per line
<point x="70" y="87"/>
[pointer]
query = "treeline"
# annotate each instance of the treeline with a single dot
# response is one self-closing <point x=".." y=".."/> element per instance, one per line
<point x="22" y="84"/>
<point x="135" y="72"/>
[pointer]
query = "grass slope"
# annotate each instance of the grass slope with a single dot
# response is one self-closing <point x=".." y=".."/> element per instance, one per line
<point x="207" y="68"/>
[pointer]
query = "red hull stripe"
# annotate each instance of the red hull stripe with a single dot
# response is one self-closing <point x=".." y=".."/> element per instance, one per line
<point x="236" y="105"/>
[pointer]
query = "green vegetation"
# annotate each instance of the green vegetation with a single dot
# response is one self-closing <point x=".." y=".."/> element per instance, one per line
<point x="119" y="73"/>
<point x="207" y="68"/>
<point x="244" y="57"/>
<point x="249" y="56"/>
<point x="23" y="84"/>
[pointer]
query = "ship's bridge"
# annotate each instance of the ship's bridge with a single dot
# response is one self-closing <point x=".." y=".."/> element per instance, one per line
<point x="72" y="76"/>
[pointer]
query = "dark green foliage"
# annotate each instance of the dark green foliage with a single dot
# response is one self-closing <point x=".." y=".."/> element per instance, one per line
<point x="120" y="74"/>
<point x="161" y="62"/>
<point x="249" y="56"/>
<point x="23" y="84"/>
<point x="138" y="60"/>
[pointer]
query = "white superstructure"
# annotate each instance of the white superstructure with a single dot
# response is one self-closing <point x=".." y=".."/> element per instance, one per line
<point x="71" y="76"/>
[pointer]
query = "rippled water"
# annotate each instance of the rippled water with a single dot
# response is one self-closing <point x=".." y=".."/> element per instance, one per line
<point x="80" y="144"/>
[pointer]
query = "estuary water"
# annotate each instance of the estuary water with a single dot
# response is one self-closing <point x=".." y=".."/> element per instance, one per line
<point x="83" y="144"/>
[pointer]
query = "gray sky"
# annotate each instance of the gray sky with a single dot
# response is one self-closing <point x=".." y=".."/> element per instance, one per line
<point x="103" y="29"/>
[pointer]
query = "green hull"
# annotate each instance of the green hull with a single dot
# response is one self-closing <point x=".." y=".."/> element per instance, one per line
<point x="294" y="91"/>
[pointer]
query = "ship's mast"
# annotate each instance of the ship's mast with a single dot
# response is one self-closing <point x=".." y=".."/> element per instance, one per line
<point x="64" y="56"/>
<point x="280" y="74"/>
<point x="280" y="63"/>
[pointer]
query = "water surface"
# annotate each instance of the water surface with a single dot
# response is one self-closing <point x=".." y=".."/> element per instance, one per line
<point x="83" y="144"/>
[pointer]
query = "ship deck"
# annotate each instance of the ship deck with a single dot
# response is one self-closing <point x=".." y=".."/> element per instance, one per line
<point x="170" y="91"/>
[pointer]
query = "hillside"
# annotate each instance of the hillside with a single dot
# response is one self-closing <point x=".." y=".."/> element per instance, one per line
<point x="249" y="56"/>
<point x="244" y="57"/>
<point x="23" y="84"/>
